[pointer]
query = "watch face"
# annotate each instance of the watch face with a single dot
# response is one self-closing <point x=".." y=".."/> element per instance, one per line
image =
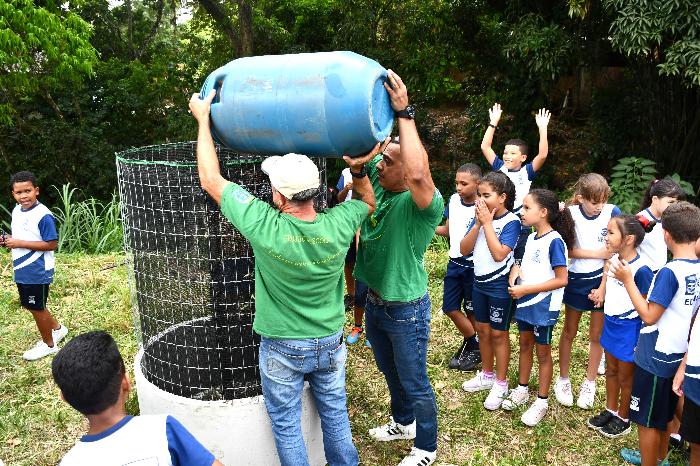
<point x="411" y="112"/>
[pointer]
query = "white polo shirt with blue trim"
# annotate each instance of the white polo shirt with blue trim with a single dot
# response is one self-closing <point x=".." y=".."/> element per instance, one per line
<point x="34" y="224"/>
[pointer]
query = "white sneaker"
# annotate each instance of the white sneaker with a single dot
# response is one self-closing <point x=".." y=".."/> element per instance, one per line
<point x="601" y="366"/>
<point x="535" y="413"/>
<point x="419" y="457"/>
<point x="496" y="397"/>
<point x="587" y="395"/>
<point x="478" y="382"/>
<point x="517" y="397"/>
<point x="39" y="351"/>
<point x="59" y="334"/>
<point x="393" y="431"/>
<point x="562" y="391"/>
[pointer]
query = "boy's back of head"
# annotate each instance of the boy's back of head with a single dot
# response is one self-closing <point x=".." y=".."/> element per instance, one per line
<point x="89" y="371"/>
<point x="21" y="177"/>
<point x="682" y="221"/>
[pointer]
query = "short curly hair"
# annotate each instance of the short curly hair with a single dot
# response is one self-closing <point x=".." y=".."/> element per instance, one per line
<point x="21" y="177"/>
<point x="682" y="221"/>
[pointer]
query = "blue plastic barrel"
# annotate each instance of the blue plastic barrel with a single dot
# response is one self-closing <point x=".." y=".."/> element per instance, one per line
<point x="325" y="104"/>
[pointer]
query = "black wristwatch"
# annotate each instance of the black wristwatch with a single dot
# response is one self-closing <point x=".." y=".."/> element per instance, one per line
<point x="493" y="126"/>
<point x="408" y="112"/>
<point x="362" y="173"/>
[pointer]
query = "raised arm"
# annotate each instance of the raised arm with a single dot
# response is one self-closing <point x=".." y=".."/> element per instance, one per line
<point x="413" y="155"/>
<point x="361" y="187"/>
<point x="207" y="161"/>
<point x="494" y="118"/>
<point x="542" y="120"/>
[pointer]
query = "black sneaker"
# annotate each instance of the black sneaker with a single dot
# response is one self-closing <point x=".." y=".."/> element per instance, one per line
<point x="349" y="301"/>
<point x="470" y="360"/>
<point x="601" y="420"/>
<point x="459" y="355"/>
<point x="615" y="428"/>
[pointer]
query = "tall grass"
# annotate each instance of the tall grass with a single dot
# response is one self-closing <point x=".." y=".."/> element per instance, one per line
<point x="87" y="226"/>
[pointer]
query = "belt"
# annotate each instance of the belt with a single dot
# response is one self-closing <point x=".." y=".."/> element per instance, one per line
<point x="377" y="301"/>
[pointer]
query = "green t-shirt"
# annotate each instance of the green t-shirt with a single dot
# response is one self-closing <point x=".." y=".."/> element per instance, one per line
<point x="298" y="264"/>
<point x="393" y="241"/>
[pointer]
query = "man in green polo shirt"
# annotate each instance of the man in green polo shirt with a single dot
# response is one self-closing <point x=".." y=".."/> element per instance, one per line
<point x="393" y="241"/>
<point x="299" y="311"/>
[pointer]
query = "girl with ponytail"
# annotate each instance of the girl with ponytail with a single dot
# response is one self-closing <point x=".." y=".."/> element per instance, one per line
<point x="538" y="286"/>
<point x="622" y="323"/>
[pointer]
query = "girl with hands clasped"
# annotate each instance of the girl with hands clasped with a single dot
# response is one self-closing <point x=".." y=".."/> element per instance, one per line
<point x="591" y="214"/>
<point x="622" y="323"/>
<point x="538" y="285"/>
<point x="492" y="237"/>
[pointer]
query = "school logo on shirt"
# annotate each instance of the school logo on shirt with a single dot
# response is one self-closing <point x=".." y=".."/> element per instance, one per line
<point x="603" y="234"/>
<point x="498" y="231"/>
<point x="520" y="178"/>
<point x="634" y="403"/>
<point x="242" y="196"/>
<point x="536" y="256"/>
<point x="690" y="284"/>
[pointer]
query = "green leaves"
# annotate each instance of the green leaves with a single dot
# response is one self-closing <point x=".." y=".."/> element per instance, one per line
<point x="630" y="178"/>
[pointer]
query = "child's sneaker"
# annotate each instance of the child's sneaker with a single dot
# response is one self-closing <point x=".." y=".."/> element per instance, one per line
<point x="348" y="301"/>
<point x="419" y="457"/>
<point x="393" y="431"/>
<point x="562" y="392"/>
<point x="470" y="361"/>
<point x="456" y="360"/>
<point x="496" y="396"/>
<point x="479" y="382"/>
<point x="600" y="420"/>
<point x="355" y="333"/>
<point x="59" y="334"/>
<point x="39" y="351"/>
<point x="615" y="428"/>
<point x="601" y="366"/>
<point x="517" y="397"/>
<point x="367" y="344"/>
<point x="587" y="395"/>
<point x="535" y="413"/>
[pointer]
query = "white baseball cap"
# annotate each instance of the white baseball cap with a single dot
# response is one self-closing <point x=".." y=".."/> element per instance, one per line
<point x="291" y="174"/>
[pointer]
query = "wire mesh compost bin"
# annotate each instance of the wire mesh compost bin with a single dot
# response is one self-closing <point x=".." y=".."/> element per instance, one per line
<point x="191" y="273"/>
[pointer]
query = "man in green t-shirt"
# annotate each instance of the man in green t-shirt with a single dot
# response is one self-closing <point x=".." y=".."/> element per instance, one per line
<point x="393" y="241"/>
<point x="299" y="312"/>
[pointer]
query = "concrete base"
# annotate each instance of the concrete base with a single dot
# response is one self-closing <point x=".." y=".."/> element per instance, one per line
<point x="237" y="432"/>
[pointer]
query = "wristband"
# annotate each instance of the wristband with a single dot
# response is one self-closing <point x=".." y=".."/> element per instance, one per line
<point x="493" y="126"/>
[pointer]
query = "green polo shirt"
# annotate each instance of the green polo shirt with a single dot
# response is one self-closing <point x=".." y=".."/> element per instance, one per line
<point x="298" y="264"/>
<point x="393" y="241"/>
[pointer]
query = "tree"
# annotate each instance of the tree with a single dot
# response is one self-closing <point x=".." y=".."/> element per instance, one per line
<point x="240" y="36"/>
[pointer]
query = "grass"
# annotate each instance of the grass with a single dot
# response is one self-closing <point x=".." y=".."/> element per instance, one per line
<point x="37" y="428"/>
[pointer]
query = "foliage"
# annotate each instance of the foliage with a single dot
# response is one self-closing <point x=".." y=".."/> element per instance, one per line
<point x="630" y="178"/>
<point x="88" y="226"/>
<point x="40" y="46"/>
<point x="687" y="187"/>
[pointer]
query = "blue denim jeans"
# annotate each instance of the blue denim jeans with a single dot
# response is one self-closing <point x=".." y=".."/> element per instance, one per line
<point x="399" y="335"/>
<point x="283" y="364"/>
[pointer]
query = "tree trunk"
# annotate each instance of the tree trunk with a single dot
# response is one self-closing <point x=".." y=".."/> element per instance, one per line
<point x="152" y="33"/>
<point x="218" y="14"/>
<point x="245" y="25"/>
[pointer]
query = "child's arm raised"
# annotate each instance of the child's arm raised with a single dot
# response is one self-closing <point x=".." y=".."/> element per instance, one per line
<point x="494" y="118"/>
<point x="560" y="280"/>
<point x="443" y="230"/>
<point x="542" y="120"/>
<point x="650" y="312"/>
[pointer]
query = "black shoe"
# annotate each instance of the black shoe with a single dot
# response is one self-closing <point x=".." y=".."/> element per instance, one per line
<point x="459" y="355"/>
<point x="470" y="360"/>
<point x="615" y="428"/>
<point x="601" y="420"/>
<point x="680" y="445"/>
<point x="349" y="301"/>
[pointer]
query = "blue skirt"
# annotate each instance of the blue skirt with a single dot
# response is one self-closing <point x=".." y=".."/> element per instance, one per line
<point x="620" y="337"/>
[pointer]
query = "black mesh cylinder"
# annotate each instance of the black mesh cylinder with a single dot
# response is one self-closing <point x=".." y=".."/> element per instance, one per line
<point x="190" y="272"/>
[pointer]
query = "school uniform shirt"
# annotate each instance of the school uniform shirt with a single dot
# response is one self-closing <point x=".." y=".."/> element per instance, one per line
<point x="542" y="254"/>
<point x="522" y="179"/>
<point x="691" y="384"/>
<point x="617" y="300"/>
<point x="461" y="216"/>
<point x="345" y="177"/>
<point x="661" y="346"/>
<point x="140" y="441"/>
<point x="585" y="274"/>
<point x="491" y="277"/>
<point x="34" y="224"/>
<point x="653" y="249"/>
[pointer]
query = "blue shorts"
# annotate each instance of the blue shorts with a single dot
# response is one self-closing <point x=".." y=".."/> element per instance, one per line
<point x="457" y="288"/>
<point x="653" y="403"/>
<point x="519" y="250"/>
<point x="619" y="337"/>
<point x="360" y="294"/>
<point x="577" y="291"/>
<point x="33" y="296"/>
<point x="579" y="302"/>
<point x="351" y="255"/>
<point x="543" y="333"/>
<point x="495" y="311"/>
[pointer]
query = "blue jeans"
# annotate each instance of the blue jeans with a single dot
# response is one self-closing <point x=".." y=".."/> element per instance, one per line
<point x="283" y="364"/>
<point x="399" y="335"/>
